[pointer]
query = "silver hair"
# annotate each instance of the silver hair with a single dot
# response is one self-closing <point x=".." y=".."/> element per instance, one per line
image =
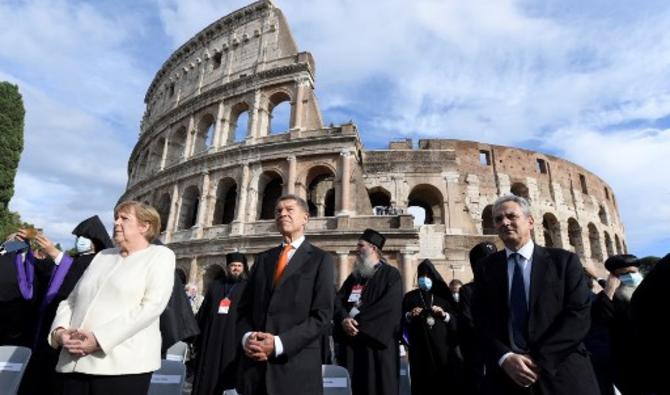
<point x="522" y="202"/>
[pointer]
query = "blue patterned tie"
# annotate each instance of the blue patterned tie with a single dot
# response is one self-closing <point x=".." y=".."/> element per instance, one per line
<point x="519" y="306"/>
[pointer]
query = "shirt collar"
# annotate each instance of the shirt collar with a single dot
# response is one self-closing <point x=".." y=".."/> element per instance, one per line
<point x="526" y="251"/>
<point x="295" y="243"/>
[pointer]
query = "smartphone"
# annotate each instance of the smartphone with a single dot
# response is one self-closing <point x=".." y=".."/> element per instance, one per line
<point x="13" y="245"/>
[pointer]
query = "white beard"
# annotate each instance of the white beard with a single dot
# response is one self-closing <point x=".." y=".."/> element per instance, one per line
<point x="364" y="266"/>
<point x="625" y="292"/>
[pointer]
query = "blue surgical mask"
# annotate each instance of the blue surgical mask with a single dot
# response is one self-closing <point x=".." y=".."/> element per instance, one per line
<point x="631" y="279"/>
<point x="83" y="244"/>
<point x="456" y="296"/>
<point x="425" y="283"/>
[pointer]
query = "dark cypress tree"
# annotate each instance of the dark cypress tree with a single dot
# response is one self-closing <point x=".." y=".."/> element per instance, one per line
<point x="12" y="113"/>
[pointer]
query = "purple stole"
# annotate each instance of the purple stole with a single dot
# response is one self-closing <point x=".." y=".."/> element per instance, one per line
<point x="25" y="273"/>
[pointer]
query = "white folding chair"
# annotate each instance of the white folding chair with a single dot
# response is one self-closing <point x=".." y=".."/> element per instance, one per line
<point x="13" y="362"/>
<point x="405" y="384"/>
<point x="336" y="380"/>
<point x="169" y="379"/>
<point x="177" y="352"/>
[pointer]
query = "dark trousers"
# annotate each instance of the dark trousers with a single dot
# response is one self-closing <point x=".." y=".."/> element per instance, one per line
<point x="91" y="384"/>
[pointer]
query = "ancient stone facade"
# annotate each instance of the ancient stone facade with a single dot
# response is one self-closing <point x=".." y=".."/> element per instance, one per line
<point x="210" y="160"/>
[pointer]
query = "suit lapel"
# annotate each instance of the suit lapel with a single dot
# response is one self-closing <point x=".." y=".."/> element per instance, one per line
<point x="296" y="262"/>
<point x="273" y="258"/>
<point x="538" y="278"/>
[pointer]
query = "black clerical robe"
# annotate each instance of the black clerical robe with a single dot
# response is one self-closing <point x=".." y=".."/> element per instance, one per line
<point x="14" y="309"/>
<point x="371" y="356"/>
<point x="217" y="349"/>
<point x="432" y="348"/>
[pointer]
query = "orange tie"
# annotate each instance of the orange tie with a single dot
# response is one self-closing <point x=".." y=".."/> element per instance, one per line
<point x="281" y="264"/>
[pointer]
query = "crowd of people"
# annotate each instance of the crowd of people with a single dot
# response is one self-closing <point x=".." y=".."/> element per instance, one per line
<point x="533" y="320"/>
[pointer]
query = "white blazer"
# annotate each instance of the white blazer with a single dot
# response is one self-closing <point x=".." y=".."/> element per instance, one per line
<point x="120" y="300"/>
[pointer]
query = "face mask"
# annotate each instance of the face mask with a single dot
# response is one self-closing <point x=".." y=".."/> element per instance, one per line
<point x="456" y="296"/>
<point x="83" y="244"/>
<point x="425" y="283"/>
<point x="631" y="279"/>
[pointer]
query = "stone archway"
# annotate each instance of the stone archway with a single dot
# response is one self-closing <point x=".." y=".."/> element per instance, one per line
<point x="431" y="200"/>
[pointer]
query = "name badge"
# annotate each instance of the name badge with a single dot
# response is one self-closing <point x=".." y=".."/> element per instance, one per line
<point x="224" y="306"/>
<point x="355" y="295"/>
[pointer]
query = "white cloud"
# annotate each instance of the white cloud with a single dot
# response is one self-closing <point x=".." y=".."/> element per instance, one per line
<point x="633" y="163"/>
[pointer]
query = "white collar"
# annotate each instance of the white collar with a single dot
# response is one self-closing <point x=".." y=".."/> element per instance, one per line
<point x="295" y="243"/>
<point x="525" y="251"/>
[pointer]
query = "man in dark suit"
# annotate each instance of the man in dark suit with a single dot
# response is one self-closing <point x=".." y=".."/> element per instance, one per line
<point x="285" y="309"/>
<point x="532" y="312"/>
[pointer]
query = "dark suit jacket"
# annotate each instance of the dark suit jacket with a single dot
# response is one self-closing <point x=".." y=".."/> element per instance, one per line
<point x="299" y="310"/>
<point x="559" y="307"/>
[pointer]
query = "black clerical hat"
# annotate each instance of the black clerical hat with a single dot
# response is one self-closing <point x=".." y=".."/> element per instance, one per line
<point x="373" y="237"/>
<point x="618" y="261"/>
<point x="236" y="257"/>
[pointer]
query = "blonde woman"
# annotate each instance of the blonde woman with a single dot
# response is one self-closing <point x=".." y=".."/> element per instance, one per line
<point x="108" y="327"/>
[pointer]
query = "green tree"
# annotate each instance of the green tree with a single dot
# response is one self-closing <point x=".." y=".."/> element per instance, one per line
<point x="12" y="114"/>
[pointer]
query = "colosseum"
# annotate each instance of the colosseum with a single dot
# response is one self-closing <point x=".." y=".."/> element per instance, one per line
<point x="232" y="122"/>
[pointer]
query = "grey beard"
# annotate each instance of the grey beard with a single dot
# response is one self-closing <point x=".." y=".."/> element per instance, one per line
<point x="364" y="268"/>
<point x="624" y="292"/>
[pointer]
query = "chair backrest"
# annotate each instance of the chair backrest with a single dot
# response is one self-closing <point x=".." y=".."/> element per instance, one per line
<point x="13" y="362"/>
<point x="169" y="379"/>
<point x="177" y="352"/>
<point x="405" y="380"/>
<point x="336" y="380"/>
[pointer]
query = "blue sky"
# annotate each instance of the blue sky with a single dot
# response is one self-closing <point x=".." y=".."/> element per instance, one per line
<point x="587" y="81"/>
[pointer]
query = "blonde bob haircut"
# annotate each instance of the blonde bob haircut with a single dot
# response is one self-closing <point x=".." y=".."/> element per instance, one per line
<point x="144" y="214"/>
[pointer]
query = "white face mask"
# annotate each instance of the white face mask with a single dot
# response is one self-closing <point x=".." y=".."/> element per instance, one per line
<point x="631" y="279"/>
<point x="83" y="244"/>
<point x="456" y="296"/>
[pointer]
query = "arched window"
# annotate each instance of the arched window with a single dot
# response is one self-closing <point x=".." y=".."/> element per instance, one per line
<point x="617" y="243"/>
<point x="181" y="273"/>
<point x="552" y="231"/>
<point x="155" y="156"/>
<point x="520" y="189"/>
<point x="280" y="113"/>
<point x="212" y="272"/>
<point x="226" y="198"/>
<point x="204" y="136"/>
<point x="176" y="146"/>
<point x="608" y="245"/>
<point x="239" y="125"/>
<point x="380" y="200"/>
<point x="594" y="241"/>
<point x="430" y="199"/>
<point x="488" y="226"/>
<point x="575" y="236"/>
<point x="189" y="208"/>
<point x="163" y="208"/>
<point x="270" y="183"/>
<point x="602" y="215"/>
<point x="329" y="210"/>
<point x="142" y="165"/>
<point x="320" y="180"/>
